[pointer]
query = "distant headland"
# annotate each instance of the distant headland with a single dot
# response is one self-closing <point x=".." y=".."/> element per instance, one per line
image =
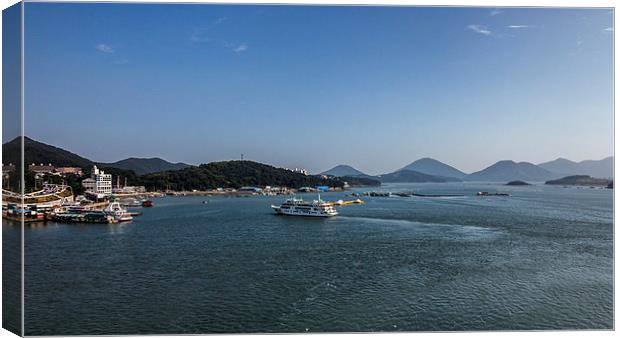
<point x="156" y="173"/>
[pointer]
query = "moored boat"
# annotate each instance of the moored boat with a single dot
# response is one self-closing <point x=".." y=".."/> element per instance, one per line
<point x="130" y="202"/>
<point x="84" y="217"/>
<point x="120" y="214"/>
<point x="25" y="214"/>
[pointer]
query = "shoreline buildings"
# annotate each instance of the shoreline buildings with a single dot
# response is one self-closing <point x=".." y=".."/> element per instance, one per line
<point x="298" y="170"/>
<point x="99" y="183"/>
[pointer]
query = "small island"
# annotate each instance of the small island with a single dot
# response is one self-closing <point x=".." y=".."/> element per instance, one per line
<point x="517" y="183"/>
<point x="584" y="180"/>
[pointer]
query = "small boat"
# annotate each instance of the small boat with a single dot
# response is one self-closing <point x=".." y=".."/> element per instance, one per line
<point x="120" y="214"/>
<point x="147" y="203"/>
<point x="486" y="193"/>
<point x="130" y="202"/>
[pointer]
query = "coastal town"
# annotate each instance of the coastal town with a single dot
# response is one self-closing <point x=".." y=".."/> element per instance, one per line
<point x="106" y="198"/>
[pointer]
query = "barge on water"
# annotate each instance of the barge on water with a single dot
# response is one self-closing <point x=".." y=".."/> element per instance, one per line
<point x="87" y="217"/>
<point x="28" y="213"/>
<point x="486" y="193"/>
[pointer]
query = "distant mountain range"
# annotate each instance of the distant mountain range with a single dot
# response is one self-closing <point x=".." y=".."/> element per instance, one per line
<point x="413" y="176"/>
<point x="38" y="152"/>
<point x="401" y="175"/>
<point x="430" y="170"/>
<point x="602" y="168"/>
<point x="405" y="174"/>
<point x="422" y="170"/>
<point x="509" y="171"/>
<point x="343" y="170"/>
<point x="433" y="167"/>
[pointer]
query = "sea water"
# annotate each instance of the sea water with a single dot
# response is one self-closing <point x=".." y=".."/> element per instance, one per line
<point x="539" y="259"/>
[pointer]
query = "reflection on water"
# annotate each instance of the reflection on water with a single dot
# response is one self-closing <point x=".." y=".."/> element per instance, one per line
<point x="118" y="228"/>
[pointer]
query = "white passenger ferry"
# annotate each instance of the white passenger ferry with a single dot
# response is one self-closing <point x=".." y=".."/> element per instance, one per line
<point x="299" y="207"/>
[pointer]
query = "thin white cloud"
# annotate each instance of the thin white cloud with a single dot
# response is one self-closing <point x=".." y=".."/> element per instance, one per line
<point x="519" y="26"/>
<point x="608" y="29"/>
<point x="480" y="29"/>
<point x="241" y="48"/>
<point x="102" y="47"/>
<point x="495" y="12"/>
<point x="203" y="34"/>
<point x="199" y="36"/>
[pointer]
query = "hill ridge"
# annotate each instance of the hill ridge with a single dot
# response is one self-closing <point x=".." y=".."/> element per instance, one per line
<point x="509" y="170"/>
<point x="343" y="170"/>
<point x="431" y="166"/>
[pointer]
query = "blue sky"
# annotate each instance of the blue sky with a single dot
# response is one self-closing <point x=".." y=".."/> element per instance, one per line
<point x="313" y="87"/>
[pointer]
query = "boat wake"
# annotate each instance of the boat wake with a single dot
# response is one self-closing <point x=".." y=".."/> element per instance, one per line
<point x="460" y="228"/>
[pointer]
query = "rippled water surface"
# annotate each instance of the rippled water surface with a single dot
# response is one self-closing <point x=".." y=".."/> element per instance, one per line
<point x="539" y="259"/>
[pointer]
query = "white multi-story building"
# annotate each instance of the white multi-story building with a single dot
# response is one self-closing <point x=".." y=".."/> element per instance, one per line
<point x="99" y="182"/>
<point x="301" y="171"/>
<point x="298" y="170"/>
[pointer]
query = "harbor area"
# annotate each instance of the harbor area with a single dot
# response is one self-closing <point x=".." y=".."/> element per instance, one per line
<point x="58" y="203"/>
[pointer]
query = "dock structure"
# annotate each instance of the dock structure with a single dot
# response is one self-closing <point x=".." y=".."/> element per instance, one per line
<point x="98" y="205"/>
<point x="341" y="202"/>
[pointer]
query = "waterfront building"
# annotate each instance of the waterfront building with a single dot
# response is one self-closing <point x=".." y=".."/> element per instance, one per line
<point x="69" y="170"/>
<point x="129" y="190"/>
<point x="99" y="183"/>
<point x="50" y="196"/>
<point x="89" y="184"/>
<point x="253" y="190"/>
<point x="41" y="168"/>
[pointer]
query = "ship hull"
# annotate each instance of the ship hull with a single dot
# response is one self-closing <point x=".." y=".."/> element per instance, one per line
<point x="279" y="211"/>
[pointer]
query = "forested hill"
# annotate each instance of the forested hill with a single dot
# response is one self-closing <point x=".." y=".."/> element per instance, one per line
<point x="227" y="174"/>
<point x="232" y="174"/>
<point x="37" y="152"/>
<point x="145" y="165"/>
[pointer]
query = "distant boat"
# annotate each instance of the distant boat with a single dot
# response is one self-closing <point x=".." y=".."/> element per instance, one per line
<point x="486" y="193"/>
<point x="147" y="203"/>
<point x="299" y="207"/>
<point x="130" y="202"/>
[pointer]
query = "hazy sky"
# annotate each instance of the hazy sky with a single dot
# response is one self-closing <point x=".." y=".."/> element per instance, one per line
<point x="314" y="87"/>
